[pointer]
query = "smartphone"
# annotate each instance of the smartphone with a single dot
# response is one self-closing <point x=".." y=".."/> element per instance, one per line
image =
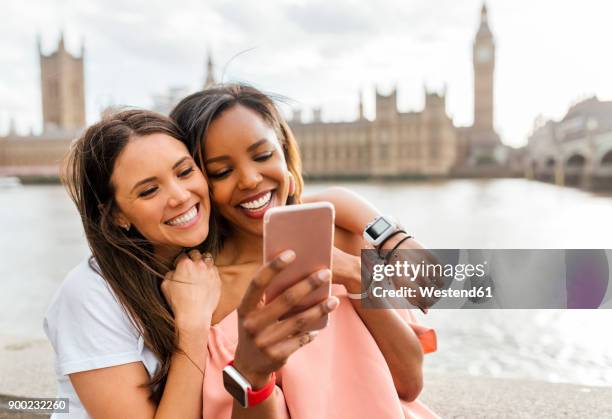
<point x="308" y="230"/>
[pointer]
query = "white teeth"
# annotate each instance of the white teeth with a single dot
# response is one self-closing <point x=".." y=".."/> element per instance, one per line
<point x="258" y="203"/>
<point x="185" y="218"/>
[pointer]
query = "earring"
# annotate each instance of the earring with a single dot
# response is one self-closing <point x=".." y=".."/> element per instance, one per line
<point x="126" y="227"/>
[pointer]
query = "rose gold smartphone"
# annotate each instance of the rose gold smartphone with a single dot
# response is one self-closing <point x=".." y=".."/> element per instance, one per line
<point x="308" y="230"/>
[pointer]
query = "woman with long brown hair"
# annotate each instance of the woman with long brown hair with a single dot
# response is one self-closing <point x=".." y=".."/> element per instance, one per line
<point x="130" y="325"/>
<point x="366" y="363"/>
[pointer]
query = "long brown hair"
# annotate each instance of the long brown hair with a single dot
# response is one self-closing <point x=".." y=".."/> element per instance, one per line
<point x="196" y="113"/>
<point x="124" y="259"/>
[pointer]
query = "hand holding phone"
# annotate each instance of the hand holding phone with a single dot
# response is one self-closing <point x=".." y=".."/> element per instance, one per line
<point x="308" y="230"/>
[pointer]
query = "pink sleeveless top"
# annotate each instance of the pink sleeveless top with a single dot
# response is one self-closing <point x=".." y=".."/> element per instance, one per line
<point x="341" y="374"/>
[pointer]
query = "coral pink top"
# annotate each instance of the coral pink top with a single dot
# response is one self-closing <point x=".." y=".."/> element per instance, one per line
<point x="341" y="374"/>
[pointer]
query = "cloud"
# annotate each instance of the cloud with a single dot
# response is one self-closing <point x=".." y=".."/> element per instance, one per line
<point x="317" y="52"/>
<point x="331" y="18"/>
<point x="313" y="51"/>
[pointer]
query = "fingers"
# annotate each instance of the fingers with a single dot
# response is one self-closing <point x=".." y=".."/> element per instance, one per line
<point x="167" y="277"/>
<point x="296" y="324"/>
<point x="208" y="259"/>
<point x="195" y="255"/>
<point x="287" y="300"/>
<point x="284" y="349"/>
<point x="166" y="282"/>
<point x="190" y="267"/>
<point x="262" y="278"/>
<point x="181" y="257"/>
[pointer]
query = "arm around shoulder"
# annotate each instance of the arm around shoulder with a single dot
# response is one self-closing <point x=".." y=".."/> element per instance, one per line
<point x="353" y="212"/>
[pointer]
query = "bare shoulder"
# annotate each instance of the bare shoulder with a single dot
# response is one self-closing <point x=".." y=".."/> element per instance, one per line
<point x="331" y="194"/>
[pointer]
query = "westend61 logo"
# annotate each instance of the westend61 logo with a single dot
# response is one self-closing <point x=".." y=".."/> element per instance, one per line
<point x="487" y="278"/>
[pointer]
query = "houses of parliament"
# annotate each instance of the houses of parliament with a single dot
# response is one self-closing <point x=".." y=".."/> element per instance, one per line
<point x="392" y="145"/>
<point x="408" y="144"/>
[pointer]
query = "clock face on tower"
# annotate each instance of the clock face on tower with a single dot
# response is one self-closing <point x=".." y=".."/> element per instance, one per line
<point x="484" y="54"/>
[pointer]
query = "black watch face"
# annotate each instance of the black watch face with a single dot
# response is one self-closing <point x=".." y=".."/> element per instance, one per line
<point x="234" y="389"/>
<point x="378" y="228"/>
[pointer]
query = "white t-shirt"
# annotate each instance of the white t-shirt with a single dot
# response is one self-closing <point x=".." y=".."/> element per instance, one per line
<point x="89" y="329"/>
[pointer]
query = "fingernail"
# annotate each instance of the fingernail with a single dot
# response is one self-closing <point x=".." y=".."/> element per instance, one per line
<point x="332" y="303"/>
<point x="287" y="256"/>
<point x="323" y="275"/>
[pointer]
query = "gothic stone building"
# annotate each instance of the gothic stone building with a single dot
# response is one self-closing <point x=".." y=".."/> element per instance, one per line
<point x="397" y="144"/>
<point x="63" y="89"/>
<point x="394" y="144"/>
<point x="63" y="106"/>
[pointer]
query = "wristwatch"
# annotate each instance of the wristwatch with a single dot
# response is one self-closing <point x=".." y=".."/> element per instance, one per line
<point x="380" y="229"/>
<point x="240" y="388"/>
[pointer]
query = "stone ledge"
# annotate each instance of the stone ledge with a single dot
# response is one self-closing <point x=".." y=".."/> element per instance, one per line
<point x="6" y="413"/>
<point x="481" y="397"/>
<point x="26" y="370"/>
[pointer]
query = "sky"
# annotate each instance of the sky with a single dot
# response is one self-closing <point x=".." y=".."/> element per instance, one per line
<point x="549" y="53"/>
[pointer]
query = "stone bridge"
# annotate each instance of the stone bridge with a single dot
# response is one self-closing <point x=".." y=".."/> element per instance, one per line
<point x="576" y="151"/>
<point x="582" y="163"/>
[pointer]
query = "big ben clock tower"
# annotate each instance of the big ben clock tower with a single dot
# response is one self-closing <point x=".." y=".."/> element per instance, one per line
<point x="484" y="65"/>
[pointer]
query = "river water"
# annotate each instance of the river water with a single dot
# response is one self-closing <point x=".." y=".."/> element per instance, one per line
<point x="41" y="239"/>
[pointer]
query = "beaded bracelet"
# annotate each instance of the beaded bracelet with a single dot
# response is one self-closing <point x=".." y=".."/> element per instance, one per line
<point x="380" y="246"/>
<point x="388" y="255"/>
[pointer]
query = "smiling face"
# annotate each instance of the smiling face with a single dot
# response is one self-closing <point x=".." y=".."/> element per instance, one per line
<point x="160" y="191"/>
<point x="246" y="166"/>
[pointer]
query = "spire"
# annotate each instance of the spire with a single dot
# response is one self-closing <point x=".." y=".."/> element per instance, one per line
<point x="210" y="76"/>
<point x="12" y="129"/>
<point x="443" y="95"/>
<point x="82" y="47"/>
<point x="60" y="45"/>
<point x="39" y="43"/>
<point x="483" y="29"/>
<point x="360" y="104"/>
